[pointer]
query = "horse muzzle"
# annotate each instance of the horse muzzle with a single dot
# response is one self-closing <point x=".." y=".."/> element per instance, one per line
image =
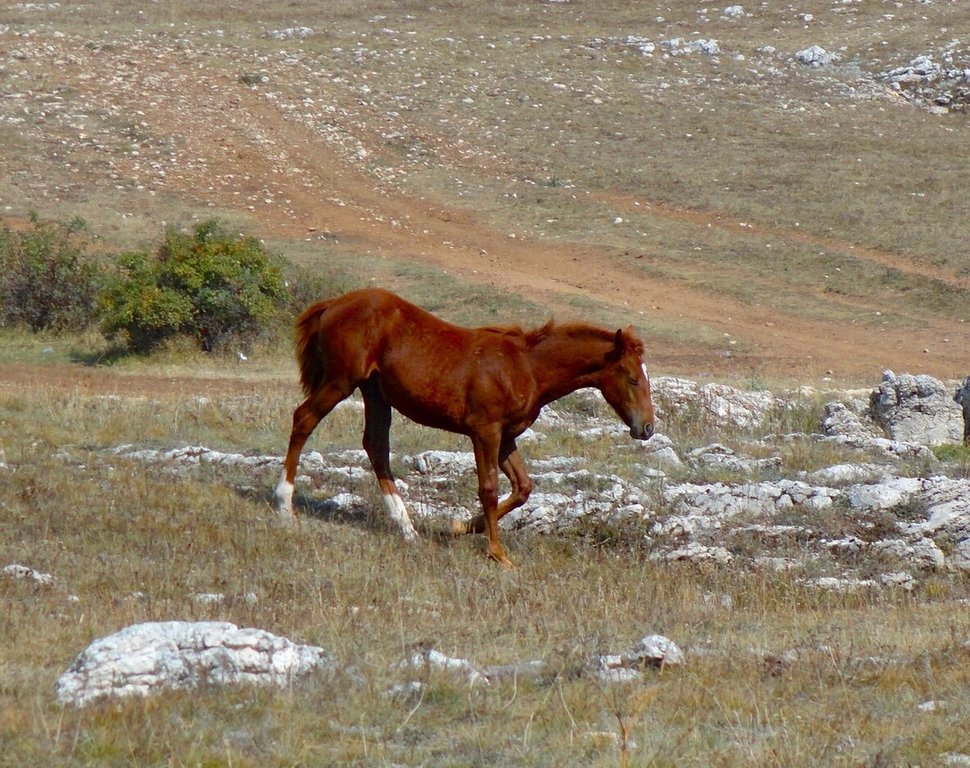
<point x="643" y="432"/>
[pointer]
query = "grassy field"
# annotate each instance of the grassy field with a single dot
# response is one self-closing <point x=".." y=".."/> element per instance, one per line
<point x="777" y="673"/>
<point x="742" y="188"/>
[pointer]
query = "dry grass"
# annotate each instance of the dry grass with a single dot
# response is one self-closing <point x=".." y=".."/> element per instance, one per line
<point x="129" y="542"/>
<point x="538" y="117"/>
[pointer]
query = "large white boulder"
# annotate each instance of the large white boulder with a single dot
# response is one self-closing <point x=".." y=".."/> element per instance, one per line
<point x="917" y="409"/>
<point x="147" y="658"/>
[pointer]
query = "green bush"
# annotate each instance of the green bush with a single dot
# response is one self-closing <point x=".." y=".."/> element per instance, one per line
<point x="46" y="280"/>
<point x="225" y="290"/>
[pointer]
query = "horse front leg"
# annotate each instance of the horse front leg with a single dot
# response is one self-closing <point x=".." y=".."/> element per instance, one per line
<point x="512" y="466"/>
<point x="306" y="417"/>
<point x="486" y="460"/>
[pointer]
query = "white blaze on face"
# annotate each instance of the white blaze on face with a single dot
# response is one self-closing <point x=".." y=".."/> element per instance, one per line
<point x="643" y="367"/>
<point x="399" y="514"/>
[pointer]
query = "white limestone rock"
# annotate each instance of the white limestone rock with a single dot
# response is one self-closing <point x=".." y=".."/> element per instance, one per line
<point x="816" y="57"/>
<point x="17" y="571"/>
<point x="444" y="462"/>
<point x="659" y="450"/>
<point x="719" y="404"/>
<point x="147" y="658"/>
<point x="654" y="651"/>
<point x="917" y="409"/>
<point x="426" y="658"/>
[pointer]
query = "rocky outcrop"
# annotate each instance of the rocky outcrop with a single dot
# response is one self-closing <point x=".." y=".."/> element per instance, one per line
<point x="839" y="420"/>
<point x="816" y="57"/>
<point x="921" y="520"/>
<point x="942" y="86"/>
<point x="962" y="398"/>
<point x="916" y="409"/>
<point x="715" y="403"/>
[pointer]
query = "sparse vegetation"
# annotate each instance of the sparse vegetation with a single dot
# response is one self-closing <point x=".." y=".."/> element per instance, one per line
<point x="135" y="541"/>
<point x="221" y="289"/>
<point x="47" y="281"/>
<point x="748" y="214"/>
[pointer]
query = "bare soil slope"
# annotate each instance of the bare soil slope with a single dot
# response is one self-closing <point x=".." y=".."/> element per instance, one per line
<point x="139" y="123"/>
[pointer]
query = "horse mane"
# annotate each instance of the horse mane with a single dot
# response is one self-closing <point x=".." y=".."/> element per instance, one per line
<point x="572" y="330"/>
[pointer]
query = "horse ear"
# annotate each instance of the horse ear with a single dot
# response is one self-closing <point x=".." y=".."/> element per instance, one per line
<point x="619" y="341"/>
<point x="619" y="346"/>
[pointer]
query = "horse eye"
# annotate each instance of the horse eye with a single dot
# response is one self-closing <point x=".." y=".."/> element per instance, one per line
<point x="634" y="380"/>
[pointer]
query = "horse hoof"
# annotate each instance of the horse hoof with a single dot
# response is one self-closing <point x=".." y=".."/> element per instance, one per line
<point x="502" y="560"/>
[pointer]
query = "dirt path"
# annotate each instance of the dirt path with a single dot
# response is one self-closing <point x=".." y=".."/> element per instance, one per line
<point x="237" y="150"/>
<point x="332" y="195"/>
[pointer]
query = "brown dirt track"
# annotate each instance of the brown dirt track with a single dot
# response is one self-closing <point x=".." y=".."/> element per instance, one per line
<point x="225" y="129"/>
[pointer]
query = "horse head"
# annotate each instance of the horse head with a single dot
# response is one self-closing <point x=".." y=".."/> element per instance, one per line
<point x="625" y="384"/>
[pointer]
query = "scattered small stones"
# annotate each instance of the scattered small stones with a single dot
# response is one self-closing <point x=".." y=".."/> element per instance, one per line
<point x="17" y="571"/>
<point x="290" y="33"/>
<point x="816" y="57"/>
<point x="650" y="652"/>
<point x="427" y="658"/>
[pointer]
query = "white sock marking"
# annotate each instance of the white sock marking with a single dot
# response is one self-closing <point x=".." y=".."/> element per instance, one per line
<point x="283" y="496"/>
<point x="399" y="514"/>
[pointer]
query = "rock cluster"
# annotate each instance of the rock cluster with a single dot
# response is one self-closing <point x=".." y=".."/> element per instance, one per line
<point x="904" y="525"/>
<point x="917" y="409"/>
<point x="146" y="659"/>
<point x="816" y="57"/>
<point x="945" y="87"/>
<point x="873" y="505"/>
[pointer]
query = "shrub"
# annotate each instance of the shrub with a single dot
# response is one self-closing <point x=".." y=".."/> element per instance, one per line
<point x="224" y="290"/>
<point x="46" y="280"/>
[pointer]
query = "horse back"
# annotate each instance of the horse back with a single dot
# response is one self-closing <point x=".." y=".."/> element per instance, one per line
<point x="432" y="371"/>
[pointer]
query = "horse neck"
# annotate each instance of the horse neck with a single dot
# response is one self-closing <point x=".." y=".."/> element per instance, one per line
<point x="567" y="359"/>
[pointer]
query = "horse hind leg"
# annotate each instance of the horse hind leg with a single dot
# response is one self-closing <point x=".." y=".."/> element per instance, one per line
<point x="305" y="419"/>
<point x="377" y="444"/>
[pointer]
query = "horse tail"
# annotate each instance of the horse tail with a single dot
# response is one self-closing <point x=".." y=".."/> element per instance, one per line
<point x="311" y="362"/>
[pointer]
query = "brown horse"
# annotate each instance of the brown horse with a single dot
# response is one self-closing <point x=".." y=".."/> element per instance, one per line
<point x="487" y="383"/>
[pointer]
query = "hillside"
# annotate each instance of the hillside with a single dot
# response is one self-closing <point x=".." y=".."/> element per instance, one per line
<point x="774" y="194"/>
<point x="677" y="167"/>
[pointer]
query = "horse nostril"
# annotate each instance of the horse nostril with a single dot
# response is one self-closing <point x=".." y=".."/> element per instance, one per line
<point x="643" y="432"/>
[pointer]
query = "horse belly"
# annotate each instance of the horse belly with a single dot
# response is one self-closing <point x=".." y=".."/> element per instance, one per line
<point x="460" y="399"/>
<point x="426" y="401"/>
